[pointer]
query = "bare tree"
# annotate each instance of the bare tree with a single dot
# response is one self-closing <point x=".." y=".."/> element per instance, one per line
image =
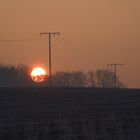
<point x="69" y="79"/>
<point x="15" y="75"/>
<point x="61" y="79"/>
<point x="105" y="79"/>
<point x="91" y="79"/>
<point x="78" y="79"/>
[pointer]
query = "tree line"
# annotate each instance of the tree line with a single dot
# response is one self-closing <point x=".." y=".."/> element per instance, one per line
<point x="15" y="75"/>
<point x="20" y="76"/>
<point x="102" y="78"/>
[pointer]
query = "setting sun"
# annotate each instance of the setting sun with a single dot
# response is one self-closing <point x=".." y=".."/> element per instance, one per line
<point x="38" y="74"/>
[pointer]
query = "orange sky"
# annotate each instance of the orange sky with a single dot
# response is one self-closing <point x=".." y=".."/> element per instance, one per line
<point x="93" y="34"/>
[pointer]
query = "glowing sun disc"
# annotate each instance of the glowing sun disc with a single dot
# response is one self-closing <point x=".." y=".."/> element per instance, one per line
<point x="38" y="74"/>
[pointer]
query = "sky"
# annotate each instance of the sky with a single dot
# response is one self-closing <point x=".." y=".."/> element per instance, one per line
<point x="94" y="33"/>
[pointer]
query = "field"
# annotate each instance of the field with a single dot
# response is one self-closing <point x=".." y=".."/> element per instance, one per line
<point x="93" y="111"/>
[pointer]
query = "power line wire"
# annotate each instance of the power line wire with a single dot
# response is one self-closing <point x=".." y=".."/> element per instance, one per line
<point x="18" y="40"/>
<point x="70" y="45"/>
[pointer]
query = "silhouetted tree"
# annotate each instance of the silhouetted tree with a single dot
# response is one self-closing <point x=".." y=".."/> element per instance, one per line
<point x="78" y="79"/>
<point x="7" y="75"/>
<point x="23" y="73"/>
<point x="69" y="79"/>
<point x="61" y="79"/>
<point x="91" y="79"/>
<point x="105" y="79"/>
<point x="15" y="76"/>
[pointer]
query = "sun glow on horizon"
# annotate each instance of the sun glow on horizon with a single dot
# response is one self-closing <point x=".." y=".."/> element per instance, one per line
<point x="38" y="74"/>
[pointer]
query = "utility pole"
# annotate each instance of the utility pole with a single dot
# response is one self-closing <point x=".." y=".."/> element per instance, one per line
<point x="50" y="63"/>
<point x="115" y="72"/>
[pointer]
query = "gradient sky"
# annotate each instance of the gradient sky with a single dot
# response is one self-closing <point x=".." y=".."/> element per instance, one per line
<point x="93" y="34"/>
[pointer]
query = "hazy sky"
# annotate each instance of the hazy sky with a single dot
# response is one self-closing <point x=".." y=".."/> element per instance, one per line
<point x="93" y="34"/>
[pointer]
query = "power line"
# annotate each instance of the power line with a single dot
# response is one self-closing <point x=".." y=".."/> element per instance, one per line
<point x="73" y="49"/>
<point x="18" y="40"/>
<point x="66" y="41"/>
<point x="115" y="72"/>
<point x="50" y="63"/>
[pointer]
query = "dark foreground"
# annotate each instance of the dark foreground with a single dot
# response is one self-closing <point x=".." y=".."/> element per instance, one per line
<point x="69" y="114"/>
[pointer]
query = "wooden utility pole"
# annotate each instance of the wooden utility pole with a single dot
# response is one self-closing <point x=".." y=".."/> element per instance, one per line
<point x="115" y="72"/>
<point x="50" y="63"/>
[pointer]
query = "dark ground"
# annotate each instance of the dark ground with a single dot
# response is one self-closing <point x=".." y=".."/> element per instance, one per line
<point x="69" y="113"/>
